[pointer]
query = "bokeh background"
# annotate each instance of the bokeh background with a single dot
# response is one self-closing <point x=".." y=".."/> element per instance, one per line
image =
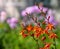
<point x="11" y="10"/>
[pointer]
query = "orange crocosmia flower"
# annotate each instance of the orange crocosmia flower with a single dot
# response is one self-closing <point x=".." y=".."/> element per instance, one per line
<point x="47" y="46"/>
<point x="35" y="28"/>
<point x="29" y="28"/>
<point x="37" y="34"/>
<point x="40" y="29"/>
<point x="52" y="35"/>
<point x="45" y="31"/>
<point x="23" y="34"/>
<point x="50" y="26"/>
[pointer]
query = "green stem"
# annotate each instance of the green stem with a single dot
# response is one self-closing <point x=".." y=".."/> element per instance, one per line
<point x="36" y="42"/>
<point x="54" y="43"/>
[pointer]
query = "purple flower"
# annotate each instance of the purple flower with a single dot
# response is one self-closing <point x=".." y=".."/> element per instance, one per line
<point x="28" y="10"/>
<point x="37" y="10"/>
<point x="3" y="16"/>
<point x="33" y="9"/>
<point x="12" y="22"/>
<point x="52" y="19"/>
<point x="24" y="13"/>
<point x="45" y="9"/>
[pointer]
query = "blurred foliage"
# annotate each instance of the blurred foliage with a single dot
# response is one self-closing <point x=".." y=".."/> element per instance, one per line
<point x="11" y="38"/>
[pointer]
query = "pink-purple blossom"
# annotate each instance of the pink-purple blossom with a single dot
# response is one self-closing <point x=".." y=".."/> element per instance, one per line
<point x="33" y="9"/>
<point x="3" y="16"/>
<point x="52" y="18"/>
<point x="12" y="22"/>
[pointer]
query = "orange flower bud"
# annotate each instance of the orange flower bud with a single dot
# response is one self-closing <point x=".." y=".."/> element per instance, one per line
<point x="32" y="35"/>
<point x="47" y="46"/>
<point x="43" y="38"/>
<point x="41" y="48"/>
<point x="37" y="34"/>
<point x="52" y="35"/>
<point x="24" y="35"/>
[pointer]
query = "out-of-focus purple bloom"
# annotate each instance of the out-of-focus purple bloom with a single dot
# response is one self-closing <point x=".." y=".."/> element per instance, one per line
<point x="40" y="18"/>
<point x="3" y="16"/>
<point x="51" y="20"/>
<point x="50" y="12"/>
<point x="45" y="9"/>
<point x="33" y="9"/>
<point x="37" y="10"/>
<point x="24" y="13"/>
<point x="12" y="22"/>
<point x="28" y="10"/>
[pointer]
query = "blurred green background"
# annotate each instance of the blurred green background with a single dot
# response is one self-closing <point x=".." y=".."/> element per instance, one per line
<point x="11" y="39"/>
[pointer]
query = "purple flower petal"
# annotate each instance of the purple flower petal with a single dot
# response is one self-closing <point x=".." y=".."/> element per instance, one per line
<point x="12" y="26"/>
<point x="24" y="13"/>
<point x="3" y="16"/>
<point x="12" y="22"/>
<point x="30" y="10"/>
<point x="45" y="9"/>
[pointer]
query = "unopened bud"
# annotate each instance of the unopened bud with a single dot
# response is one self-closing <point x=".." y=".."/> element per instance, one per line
<point x="38" y="23"/>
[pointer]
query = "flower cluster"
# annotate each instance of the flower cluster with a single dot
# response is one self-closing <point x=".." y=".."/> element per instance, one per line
<point x="37" y="30"/>
<point x="40" y="9"/>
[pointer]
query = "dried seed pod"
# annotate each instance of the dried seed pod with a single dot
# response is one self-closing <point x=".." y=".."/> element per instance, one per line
<point x="37" y="4"/>
<point x="48" y="18"/>
<point x="44" y="22"/>
<point x="35" y="20"/>
<point x="32" y="34"/>
<point x="38" y="23"/>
